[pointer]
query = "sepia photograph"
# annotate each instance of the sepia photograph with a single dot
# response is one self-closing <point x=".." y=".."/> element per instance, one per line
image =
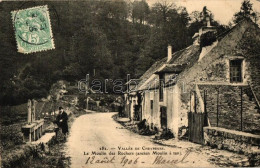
<point x="129" y="83"/>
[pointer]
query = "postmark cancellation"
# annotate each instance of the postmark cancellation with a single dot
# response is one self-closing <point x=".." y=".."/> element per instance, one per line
<point x="32" y="28"/>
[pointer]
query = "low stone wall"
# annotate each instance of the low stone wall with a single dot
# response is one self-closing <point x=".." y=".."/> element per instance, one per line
<point x="232" y="140"/>
<point x="235" y="141"/>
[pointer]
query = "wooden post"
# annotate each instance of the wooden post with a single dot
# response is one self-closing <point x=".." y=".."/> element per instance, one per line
<point x="36" y="134"/>
<point x="205" y="102"/>
<point x="29" y="108"/>
<point x="205" y="108"/>
<point x="190" y="101"/>
<point x="30" y="136"/>
<point x="33" y="109"/>
<point x="217" y="105"/>
<point x="33" y="134"/>
<point x="87" y="102"/>
<point x="41" y="130"/>
<point x="195" y="102"/>
<point x="241" y="110"/>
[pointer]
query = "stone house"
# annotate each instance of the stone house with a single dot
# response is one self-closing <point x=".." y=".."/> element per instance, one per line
<point x="218" y="75"/>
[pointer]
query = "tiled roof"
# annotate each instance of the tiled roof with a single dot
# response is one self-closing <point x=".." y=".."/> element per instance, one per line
<point x="180" y="60"/>
<point x="172" y="68"/>
<point x="150" y="72"/>
<point x="187" y="55"/>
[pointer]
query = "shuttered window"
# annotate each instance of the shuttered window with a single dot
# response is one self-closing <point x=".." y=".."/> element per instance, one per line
<point x="236" y="71"/>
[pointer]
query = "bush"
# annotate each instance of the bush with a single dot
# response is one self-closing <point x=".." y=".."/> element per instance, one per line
<point x="13" y="114"/>
<point x="207" y="39"/>
<point x="11" y="137"/>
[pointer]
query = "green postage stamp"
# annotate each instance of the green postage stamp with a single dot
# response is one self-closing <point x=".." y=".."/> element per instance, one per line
<point x="33" y="31"/>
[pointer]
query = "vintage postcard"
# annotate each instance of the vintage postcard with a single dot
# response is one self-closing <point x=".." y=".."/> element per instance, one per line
<point x="129" y="83"/>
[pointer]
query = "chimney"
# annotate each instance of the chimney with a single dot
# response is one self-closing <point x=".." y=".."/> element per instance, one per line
<point x="207" y="33"/>
<point x="169" y="53"/>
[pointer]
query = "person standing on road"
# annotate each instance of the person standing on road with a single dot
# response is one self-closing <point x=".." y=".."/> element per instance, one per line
<point x="62" y="121"/>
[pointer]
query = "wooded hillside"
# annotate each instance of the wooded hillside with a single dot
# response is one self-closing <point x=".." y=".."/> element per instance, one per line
<point x="106" y="39"/>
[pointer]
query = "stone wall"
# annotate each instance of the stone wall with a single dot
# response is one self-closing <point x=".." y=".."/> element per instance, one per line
<point x="234" y="141"/>
<point x="250" y="47"/>
<point x="229" y="107"/>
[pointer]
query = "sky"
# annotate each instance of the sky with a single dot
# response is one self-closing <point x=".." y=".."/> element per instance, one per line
<point x="223" y="10"/>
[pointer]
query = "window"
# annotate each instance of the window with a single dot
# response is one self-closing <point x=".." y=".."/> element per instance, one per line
<point x="161" y="86"/>
<point x="236" y="71"/>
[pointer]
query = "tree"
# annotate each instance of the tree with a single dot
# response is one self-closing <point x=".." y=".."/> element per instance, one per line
<point x="169" y="25"/>
<point x="195" y="16"/>
<point x="198" y="20"/>
<point x="140" y="11"/>
<point x="159" y="13"/>
<point x="246" y="12"/>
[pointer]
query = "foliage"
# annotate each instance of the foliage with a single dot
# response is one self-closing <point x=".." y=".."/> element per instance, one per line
<point x="109" y="41"/>
<point x="13" y="114"/>
<point x="140" y="11"/>
<point x="11" y="138"/>
<point x="168" y="26"/>
<point x="207" y="39"/>
<point x="246" y="12"/>
<point x="198" y="20"/>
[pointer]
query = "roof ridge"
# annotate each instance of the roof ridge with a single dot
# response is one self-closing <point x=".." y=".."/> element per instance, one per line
<point x="224" y="34"/>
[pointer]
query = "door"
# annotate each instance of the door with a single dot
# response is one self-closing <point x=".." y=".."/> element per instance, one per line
<point x="163" y="111"/>
<point x="196" y="124"/>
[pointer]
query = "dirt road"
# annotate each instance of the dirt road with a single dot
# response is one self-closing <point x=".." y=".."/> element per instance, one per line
<point x="96" y="140"/>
